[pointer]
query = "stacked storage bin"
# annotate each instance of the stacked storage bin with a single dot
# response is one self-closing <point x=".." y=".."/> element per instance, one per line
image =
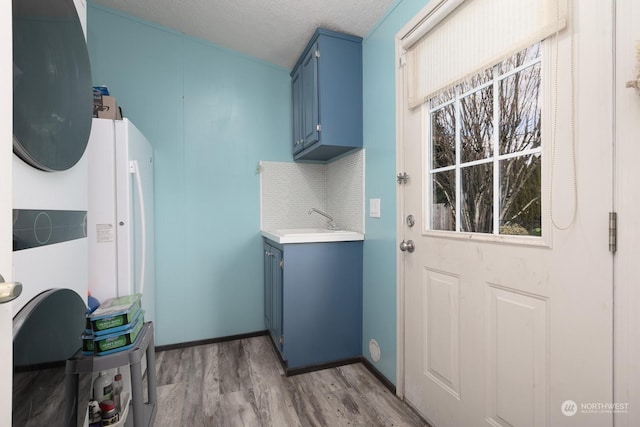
<point x="114" y="326"/>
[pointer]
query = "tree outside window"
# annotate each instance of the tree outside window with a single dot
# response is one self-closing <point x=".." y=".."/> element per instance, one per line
<point x="485" y="150"/>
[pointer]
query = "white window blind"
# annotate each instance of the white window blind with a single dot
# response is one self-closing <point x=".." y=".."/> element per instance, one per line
<point x="456" y="38"/>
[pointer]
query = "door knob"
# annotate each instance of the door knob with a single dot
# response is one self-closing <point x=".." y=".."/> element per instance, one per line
<point x="9" y="291"/>
<point x="407" y="246"/>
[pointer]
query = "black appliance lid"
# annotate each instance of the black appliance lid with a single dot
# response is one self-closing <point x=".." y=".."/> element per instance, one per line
<point x="52" y="93"/>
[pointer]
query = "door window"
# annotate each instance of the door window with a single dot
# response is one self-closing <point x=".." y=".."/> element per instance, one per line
<point x="485" y="150"/>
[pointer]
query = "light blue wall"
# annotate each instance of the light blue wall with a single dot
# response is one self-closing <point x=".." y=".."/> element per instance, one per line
<point x="201" y="104"/>
<point x="379" y="299"/>
<point x="211" y="115"/>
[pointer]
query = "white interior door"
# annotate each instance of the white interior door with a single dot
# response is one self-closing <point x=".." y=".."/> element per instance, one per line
<point x="507" y="332"/>
<point x="6" y="144"/>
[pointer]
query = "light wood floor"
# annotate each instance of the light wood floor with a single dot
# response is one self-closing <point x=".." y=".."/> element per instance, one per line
<point x="235" y="384"/>
<point x="241" y="383"/>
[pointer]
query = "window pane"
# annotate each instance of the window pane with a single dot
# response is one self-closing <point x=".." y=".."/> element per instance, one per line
<point x="476" y="80"/>
<point x="443" y="205"/>
<point x="477" y="198"/>
<point x="443" y="137"/>
<point x="520" y="99"/>
<point x="520" y="200"/>
<point x="442" y="97"/>
<point x="463" y="150"/>
<point x="476" y="125"/>
<point x="520" y="58"/>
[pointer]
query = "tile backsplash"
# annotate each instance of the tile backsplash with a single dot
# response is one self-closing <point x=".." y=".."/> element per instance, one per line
<point x="289" y="190"/>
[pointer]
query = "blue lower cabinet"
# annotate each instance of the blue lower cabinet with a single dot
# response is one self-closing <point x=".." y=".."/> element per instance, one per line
<point x="273" y="293"/>
<point x="314" y="303"/>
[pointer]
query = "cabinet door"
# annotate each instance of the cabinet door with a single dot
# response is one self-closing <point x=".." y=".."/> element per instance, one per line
<point x="309" y="99"/>
<point x="268" y="285"/>
<point x="276" y="298"/>
<point x="298" y="140"/>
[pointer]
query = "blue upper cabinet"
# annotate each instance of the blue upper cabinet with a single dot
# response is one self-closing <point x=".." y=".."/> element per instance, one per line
<point x="298" y="139"/>
<point x="327" y="97"/>
<point x="309" y="97"/>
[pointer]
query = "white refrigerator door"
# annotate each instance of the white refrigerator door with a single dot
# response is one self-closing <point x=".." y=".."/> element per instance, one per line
<point x="101" y="217"/>
<point x="135" y="230"/>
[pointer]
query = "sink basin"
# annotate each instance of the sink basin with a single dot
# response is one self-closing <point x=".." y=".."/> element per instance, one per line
<point x="311" y="235"/>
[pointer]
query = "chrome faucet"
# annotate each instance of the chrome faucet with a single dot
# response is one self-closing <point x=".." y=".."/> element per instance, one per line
<point x="330" y="223"/>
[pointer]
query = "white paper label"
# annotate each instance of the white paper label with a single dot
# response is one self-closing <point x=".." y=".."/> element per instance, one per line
<point x="104" y="233"/>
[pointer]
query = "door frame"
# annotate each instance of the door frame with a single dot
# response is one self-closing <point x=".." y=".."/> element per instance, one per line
<point x="400" y="289"/>
<point x="6" y="173"/>
<point x="626" y="298"/>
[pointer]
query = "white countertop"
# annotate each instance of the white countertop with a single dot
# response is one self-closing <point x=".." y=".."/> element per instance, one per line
<point x="311" y="235"/>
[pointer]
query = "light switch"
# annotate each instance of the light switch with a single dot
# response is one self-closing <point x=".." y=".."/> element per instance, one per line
<point x="374" y="208"/>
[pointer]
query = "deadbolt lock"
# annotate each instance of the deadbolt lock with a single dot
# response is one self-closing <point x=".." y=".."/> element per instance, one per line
<point x="411" y="221"/>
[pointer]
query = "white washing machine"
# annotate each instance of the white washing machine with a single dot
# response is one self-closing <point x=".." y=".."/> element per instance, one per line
<point x="52" y="122"/>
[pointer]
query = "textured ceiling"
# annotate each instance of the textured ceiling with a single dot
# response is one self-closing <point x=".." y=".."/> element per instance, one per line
<point x="272" y="30"/>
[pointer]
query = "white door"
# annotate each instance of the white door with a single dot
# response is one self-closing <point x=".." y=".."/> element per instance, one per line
<point x="508" y="331"/>
<point x="6" y="143"/>
<point x="627" y="268"/>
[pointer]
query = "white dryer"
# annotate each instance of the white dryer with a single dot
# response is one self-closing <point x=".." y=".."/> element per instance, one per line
<point x="52" y="123"/>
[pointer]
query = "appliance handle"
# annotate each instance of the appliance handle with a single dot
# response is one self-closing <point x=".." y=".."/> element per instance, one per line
<point x="135" y="170"/>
